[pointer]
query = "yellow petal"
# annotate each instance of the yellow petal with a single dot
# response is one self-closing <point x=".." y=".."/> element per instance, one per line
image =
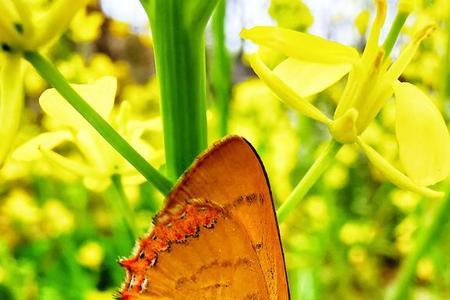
<point x="133" y="179"/>
<point x="343" y="129"/>
<point x="100" y="95"/>
<point x="55" y="21"/>
<point x="96" y="150"/>
<point x="301" y="46"/>
<point x="362" y="21"/>
<point x="11" y="102"/>
<point x="8" y="31"/>
<point x="75" y="167"/>
<point x="394" y="175"/>
<point x="24" y="11"/>
<point x="422" y="135"/>
<point x="286" y="94"/>
<point x="31" y="150"/>
<point x="308" y="78"/>
<point x="405" y="57"/>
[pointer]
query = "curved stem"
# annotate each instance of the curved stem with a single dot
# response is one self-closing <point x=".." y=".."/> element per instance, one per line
<point x="426" y="239"/>
<point x="56" y="80"/>
<point x="310" y="178"/>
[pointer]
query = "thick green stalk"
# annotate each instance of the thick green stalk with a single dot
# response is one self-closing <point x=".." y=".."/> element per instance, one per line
<point x="310" y="178"/>
<point x="221" y="68"/>
<point x="56" y="80"/>
<point x="427" y="238"/>
<point x="178" y="29"/>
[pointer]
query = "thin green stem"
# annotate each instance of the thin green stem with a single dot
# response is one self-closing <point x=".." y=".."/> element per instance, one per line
<point x="56" y="80"/>
<point x="394" y="32"/>
<point x="123" y="231"/>
<point x="427" y="238"/>
<point x="178" y="29"/>
<point x="221" y="68"/>
<point x="445" y="89"/>
<point x="124" y="205"/>
<point x="310" y="178"/>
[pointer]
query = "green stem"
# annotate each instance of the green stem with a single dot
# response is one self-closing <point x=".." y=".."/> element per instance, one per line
<point x="446" y="70"/>
<point x="178" y="28"/>
<point x="56" y="80"/>
<point x="426" y="239"/>
<point x="221" y="68"/>
<point x="123" y="232"/>
<point x="394" y="32"/>
<point x="310" y="178"/>
<point x="124" y="206"/>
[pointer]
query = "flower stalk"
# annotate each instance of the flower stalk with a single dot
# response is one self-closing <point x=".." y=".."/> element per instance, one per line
<point x="178" y="35"/>
<point x="430" y="234"/>
<point x="310" y="178"/>
<point x="394" y="31"/>
<point x="221" y="68"/>
<point x="123" y="206"/>
<point x="56" y="80"/>
<point x="446" y="70"/>
<point x="427" y="238"/>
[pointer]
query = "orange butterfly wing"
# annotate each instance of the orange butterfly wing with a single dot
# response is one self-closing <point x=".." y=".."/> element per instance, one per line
<point x="217" y="236"/>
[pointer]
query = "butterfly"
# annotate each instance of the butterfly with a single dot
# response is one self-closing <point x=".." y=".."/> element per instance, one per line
<point x="216" y="237"/>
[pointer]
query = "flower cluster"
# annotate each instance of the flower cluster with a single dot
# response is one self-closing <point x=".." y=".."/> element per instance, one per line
<point x="314" y="64"/>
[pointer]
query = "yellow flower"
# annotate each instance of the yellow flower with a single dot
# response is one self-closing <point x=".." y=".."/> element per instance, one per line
<point x="293" y="14"/>
<point x="313" y="64"/>
<point x="357" y="233"/>
<point x="57" y="218"/>
<point x="24" y="26"/>
<point x="90" y="255"/>
<point x="28" y="27"/>
<point x="20" y="207"/>
<point x="86" y="26"/>
<point x="11" y="102"/>
<point x="362" y="21"/>
<point x="97" y="160"/>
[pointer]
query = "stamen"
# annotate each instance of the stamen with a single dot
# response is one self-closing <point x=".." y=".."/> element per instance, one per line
<point x="399" y="66"/>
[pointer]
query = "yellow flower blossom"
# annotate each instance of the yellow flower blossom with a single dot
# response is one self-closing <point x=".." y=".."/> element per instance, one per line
<point x="20" y="207"/>
<point x="98" y="160"/>
<point x="85" y="26"/>
<point x="313" y="64"/>
<point x="24" y="26"/>
<point x="425" y="269"/>
<point x="293" y="14"/>
<point x="11" y="102"/>
<point x="58" y="219"/>
<point x="362" y="21"/>
<point x="90" y="255"/>
<point x="357" y="255"/>
<point x="357" y="233"/>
